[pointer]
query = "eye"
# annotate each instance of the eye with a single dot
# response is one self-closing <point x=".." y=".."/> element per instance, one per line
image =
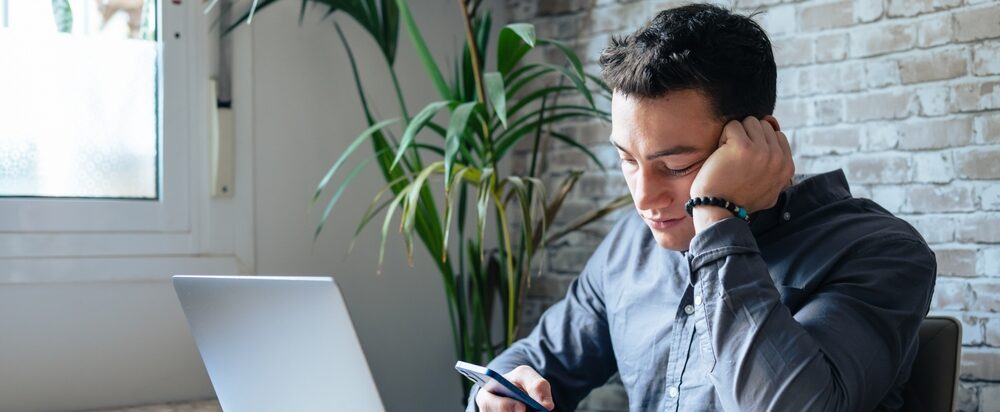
<point x="626" y="162"/>
<point x="680" y="172"/>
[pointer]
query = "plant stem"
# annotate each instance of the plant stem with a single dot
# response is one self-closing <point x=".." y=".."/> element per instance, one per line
<point x="480" y="88"/>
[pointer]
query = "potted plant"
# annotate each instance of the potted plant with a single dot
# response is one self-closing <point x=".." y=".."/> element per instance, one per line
<point x="488" y="112"/>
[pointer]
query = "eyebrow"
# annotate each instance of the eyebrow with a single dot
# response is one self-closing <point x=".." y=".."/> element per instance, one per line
<point x="676" y="150"/>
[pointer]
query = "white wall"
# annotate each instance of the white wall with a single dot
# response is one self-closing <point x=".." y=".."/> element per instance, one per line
<point x="306" y="112"/>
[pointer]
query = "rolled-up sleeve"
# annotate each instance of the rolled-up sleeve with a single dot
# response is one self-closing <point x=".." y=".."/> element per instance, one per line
<point x="842" y="349"/>
<point x="571" y="345"/>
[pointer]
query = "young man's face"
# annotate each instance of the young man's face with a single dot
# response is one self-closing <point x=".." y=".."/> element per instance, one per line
<point x="662" y="143"/>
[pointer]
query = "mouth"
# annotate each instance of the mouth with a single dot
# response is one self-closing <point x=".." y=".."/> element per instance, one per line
<point x="662" y="224"/>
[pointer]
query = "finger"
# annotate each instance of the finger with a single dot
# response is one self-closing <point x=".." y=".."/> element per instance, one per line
<point x="753" y="130"/>
<point x="534" y="384"/>
<point x="489" y="402"/>
<point x="734" y="132"/>
<point x="769" y="134"/>
<point x="783" y="143"/>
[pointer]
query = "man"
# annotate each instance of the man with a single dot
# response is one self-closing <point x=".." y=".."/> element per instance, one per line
<point x="811" y="305"/>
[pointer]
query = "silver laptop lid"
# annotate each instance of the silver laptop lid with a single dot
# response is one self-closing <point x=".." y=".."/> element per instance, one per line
<point x="277" y="343"/>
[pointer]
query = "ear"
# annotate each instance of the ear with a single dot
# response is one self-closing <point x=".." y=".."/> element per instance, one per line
<point x="773" y="121"/>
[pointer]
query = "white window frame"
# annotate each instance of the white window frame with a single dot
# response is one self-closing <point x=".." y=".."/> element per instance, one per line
<point x="44" y="239"/>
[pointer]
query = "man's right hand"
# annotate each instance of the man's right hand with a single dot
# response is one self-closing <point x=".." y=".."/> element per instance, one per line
<point x="525" y="378"/>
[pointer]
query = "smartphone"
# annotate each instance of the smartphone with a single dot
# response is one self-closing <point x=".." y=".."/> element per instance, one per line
<point x="496" y="384"/>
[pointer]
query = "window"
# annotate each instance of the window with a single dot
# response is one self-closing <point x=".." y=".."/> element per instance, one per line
<point x="79" y="99"/>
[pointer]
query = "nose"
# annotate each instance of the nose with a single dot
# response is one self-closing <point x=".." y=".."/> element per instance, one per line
<point x="650" y="193"/>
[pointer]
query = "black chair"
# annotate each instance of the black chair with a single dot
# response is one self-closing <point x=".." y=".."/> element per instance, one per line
<point x="934" y="378"/>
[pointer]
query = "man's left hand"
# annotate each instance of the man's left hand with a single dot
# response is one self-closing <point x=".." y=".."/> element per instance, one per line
<point x="751" y="167"/>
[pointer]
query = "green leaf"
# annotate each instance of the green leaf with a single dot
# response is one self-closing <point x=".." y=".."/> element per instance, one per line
<point x="422" y="51"/>
<point x="340" y="190"/>
<point x="569" y="140"/>
<point x="498" y="98"/>
<point x="63" y="15"/>
<point x="568" y="52"/>
<point x="414" y="127"/>
<point x="589" y="217"/>
<point x="456" y="128"/>
<point x="350" y="149"/>
<point x="373" y="210"/>
<point x="515" y="41"/>
<point x="449" y="204"/>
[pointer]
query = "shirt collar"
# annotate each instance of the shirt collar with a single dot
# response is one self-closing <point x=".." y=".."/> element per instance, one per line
<point x="808" y="193"/>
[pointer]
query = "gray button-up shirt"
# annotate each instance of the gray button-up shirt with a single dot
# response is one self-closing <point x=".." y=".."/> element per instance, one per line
<point x="814" y="306"/>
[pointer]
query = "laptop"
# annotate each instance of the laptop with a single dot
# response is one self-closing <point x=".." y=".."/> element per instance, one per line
<point x="275" y="343"/>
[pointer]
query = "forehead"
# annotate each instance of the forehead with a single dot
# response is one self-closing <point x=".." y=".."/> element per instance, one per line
<point x="684" y="117"/>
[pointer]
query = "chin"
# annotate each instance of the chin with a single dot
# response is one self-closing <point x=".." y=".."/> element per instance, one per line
<point x="678" y="240"/>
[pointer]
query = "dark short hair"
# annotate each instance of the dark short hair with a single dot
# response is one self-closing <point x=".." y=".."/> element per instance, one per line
<point x="702" y="47"/>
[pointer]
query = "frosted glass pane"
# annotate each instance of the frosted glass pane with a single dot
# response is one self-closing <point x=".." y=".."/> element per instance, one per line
<point x="78" y="110"/>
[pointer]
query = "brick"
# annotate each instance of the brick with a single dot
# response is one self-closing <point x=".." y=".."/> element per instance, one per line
<point x="817" y="142"/>
<point x="973" y="328"/>
<point x="552" y="7"/>
<point x="989" y="398"/>
<point x="882" y="39"/>
<point x="891" y="197"/>
<point x="831" y="47"/>
<point x="868" y="10"/>
<point x="881" y="73"/>
<point x="851" y="77"/>
<point x="951" y="198"/>
<point x="933" y="66"/>
<point x="791" y="113"/>
<point x="935" y="30"/>
<point x="956" y="262"/>
<point x="779" y="20"/>
<point x="596" y="186"/>
<point x="989" y="262"/>
<point x="888" y="168"/>
<point x="976" y="24"/>
<point x="990" y="330"/>
<point x="982" y="228"/>
<point x="592" y="133"/>
<point x="980" y="364"/>
<point x="986" y="58"/>
<point x="792" y="51"/>
<point x="814" y="165"/>
<point x="813" y="17"/>
<point x="749" y="4"/>
<point x="908" y="8"/>
<point x="934" y="229"/>
<point x="879" y="137"/>
<point x="981" y="163"/>
<point x="826" y="111"/>
<point x="976" y="96"/>
<point x="879" y="105"/>
<point x="567" y="160"/>
<point x="934" y="100"/>
<point x="951" y="294"/>
<point x="933" y="167"/>
<point x="788" y="78"/>
<point x="521" y="10"/>
<point x="989" y="196"/>
<point x="862" y="192"/>
<point x="935" y="134"/>
<point x="967" y="397"/>
<point x="618" y="17"/>
<point x="986" y="296"/>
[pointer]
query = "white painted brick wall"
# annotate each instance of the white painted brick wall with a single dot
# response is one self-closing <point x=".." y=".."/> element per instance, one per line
<point x="902" y="94"/>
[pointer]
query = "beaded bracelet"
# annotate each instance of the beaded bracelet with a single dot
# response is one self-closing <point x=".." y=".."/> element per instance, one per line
<point x="738" y="211"/>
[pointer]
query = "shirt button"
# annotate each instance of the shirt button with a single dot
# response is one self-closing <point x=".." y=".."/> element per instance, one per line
<point x="697" y="300"/>
<point x="689" y="309"/>
<point x="787" y="216"/>
<point x="672" y="391"/>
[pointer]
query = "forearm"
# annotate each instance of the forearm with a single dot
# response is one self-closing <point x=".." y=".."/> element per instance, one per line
<point x="840" y="351"/>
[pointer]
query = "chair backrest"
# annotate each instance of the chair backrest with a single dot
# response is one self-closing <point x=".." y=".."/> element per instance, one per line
<point x="934" y="377"/>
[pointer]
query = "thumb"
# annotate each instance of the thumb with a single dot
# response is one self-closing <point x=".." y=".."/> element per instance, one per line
<point x="535" y="385"/>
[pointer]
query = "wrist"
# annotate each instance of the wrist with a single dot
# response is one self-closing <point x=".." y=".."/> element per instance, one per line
<point x="705" y="216"/>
